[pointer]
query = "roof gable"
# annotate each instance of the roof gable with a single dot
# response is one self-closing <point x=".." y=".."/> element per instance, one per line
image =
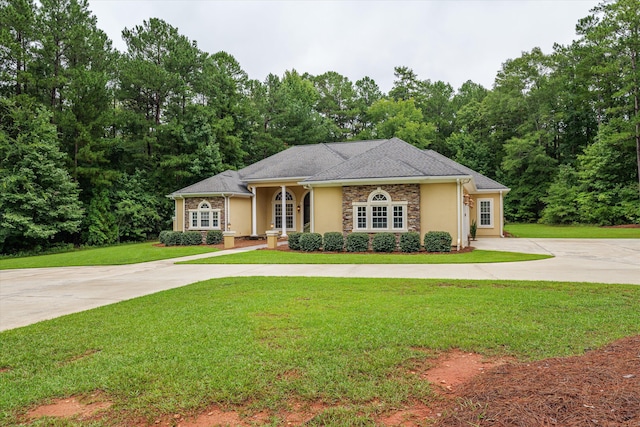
<point x="341" y="161"/>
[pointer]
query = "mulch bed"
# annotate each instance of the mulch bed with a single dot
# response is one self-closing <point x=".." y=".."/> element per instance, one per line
<point x="600" y="388"/>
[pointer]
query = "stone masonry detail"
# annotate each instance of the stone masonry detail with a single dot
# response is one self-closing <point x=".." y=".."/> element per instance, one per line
<point x="193" y="202"/>
<point x="409" y="193"/>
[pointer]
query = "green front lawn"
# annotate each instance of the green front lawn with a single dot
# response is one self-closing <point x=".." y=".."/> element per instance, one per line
<point x="263" y="342"/>
<point x="282" y="257"/>
<point x="571" y="231"/>
<point x="112" y="255"/>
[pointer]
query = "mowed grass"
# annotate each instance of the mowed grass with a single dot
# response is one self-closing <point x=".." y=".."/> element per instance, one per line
<point x="571" y="231"/>
<point x="112" y="255"/>
<point x="284" y="257"/>
<point x="261" y="342"/>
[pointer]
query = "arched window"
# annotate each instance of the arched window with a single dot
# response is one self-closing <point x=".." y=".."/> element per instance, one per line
<point x="204" y="217"/>
<point x="290" y="219"/>
<point x="380" y="213"/>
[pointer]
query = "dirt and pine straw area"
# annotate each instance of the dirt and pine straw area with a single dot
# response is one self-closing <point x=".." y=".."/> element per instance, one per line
<point x="599" y="388"/>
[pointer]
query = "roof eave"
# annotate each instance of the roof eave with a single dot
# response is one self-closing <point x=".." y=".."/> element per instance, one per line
<point x="212" y="194"/>
<point x="392" y="180"/>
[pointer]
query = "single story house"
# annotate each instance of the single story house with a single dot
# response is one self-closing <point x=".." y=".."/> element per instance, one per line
<point x="365" y="186"/>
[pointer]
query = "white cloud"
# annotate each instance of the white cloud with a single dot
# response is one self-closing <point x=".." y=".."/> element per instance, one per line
<point x="449" y="40"/>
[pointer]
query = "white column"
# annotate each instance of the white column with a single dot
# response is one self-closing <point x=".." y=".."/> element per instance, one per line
<point x="254" y="225"/>
<point x="284" y="211"/>
<point x="459" y="212"/>
<point x="312" y="227"/>
<point x="501" y="216"/>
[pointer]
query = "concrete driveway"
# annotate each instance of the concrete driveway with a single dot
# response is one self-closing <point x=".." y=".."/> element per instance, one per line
<point x="31" y="295"/>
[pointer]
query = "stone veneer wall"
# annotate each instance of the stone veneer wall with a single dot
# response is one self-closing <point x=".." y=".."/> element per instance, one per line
<point x="399" y="193"/>
<point x="193" y="202"/>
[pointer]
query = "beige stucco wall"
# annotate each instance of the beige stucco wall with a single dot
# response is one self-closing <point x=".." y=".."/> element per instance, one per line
<point x="474" y="214"/>
<point x="240" y="215"/>
<point x="327" y="207"/>
<point x="178" y="220"/>
<point x="438" y="209"/>
<point x="264" y="205"/>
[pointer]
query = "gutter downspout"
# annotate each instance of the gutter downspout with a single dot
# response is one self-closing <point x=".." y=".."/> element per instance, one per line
<point x="459" y="209"/>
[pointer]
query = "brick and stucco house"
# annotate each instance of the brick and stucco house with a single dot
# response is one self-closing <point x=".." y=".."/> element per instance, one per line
<point x="369" y="186"/>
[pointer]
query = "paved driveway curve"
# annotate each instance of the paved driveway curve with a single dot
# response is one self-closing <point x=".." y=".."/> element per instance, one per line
<point x="31" y="295"/>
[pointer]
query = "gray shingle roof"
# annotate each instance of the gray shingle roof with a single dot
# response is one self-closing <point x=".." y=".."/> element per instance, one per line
<point x="393" y="159"/>
<point x="482" y="182"/>
<point x="341" y="161"/>
<point x="225" y="182"/>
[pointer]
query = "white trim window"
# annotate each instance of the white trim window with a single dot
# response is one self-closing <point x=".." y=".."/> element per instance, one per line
<point x="290" y="211"/>
<point x="380" y="213"/>
<point x="485" y="213"/>
<point x="204" y="218"/>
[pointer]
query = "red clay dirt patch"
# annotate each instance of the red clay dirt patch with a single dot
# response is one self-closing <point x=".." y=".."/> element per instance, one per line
<point x="72" y="407"/>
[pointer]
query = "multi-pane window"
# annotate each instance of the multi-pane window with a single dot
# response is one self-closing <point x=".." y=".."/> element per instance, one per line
<point x="485" y="212"/>
<point x="379" y="217"/>
<point x="362" y="217"/>
<point x="380" y="213"/>
<point x="398" y="217"/>
<point x="289" y="210"/>
<point x="204" y="217"/>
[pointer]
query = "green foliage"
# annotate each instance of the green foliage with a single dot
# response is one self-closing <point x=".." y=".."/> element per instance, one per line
<point x="473" y="229"/>
<point x="173" y="238"/>
<point x="410" y="242"/>
<point x="38" y="201"/>
<point x="136" y="208"/>
<point x="101" y="224"/>
<point x="333" y="241"/>
<point x="310" y="242"/>
<point x="293" y="240"/>
<point x="384" y="242"/>
<point x="162" y="237"/>
<point x="191" y="238"/>
<point x="357" y="242"/>
<point x="214" y="237"/>
<point x="437" y="241"/>
<point x="571" y="231"/>
<point x="562" y="198"/>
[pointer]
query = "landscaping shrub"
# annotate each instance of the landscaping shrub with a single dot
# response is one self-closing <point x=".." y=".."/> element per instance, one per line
<point x="384" y="242"/>
<point x="173" y="238"/>
<point x="191" y="238"/>
<point x="214" y="237"/>
<point x="310" y="242"/>
<point x="162" y="237"/>
<point x="294" y="241"/>
<point x="410" y="242"/>
<point x="357" y="242"/>
<point x="333" y="241"/>
<point x="437" y="241"/>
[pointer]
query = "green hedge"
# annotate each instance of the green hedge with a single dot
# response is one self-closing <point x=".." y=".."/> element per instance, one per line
<point x="214" y="237"/>
<point x="191" y="238"/>
<point x="437" y="241"/>
<point x="333" y="241"/>
<point x="357" y="242"/>
<point x="384" y="242"/>
<point x="173" y="238"/>
<point x="294" y="241"/>
<point x="162" y="237"/>
<point x="310" y="242"/>
<point x="410" y="242"/>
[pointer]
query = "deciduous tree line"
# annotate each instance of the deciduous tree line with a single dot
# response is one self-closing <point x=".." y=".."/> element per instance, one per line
<point x="92" y="139"/>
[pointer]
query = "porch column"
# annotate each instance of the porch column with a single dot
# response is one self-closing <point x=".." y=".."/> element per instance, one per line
<point x="254" y="226"/>
<point x="284" y="211"/>
<point x="312" y="227"/>
<point x="459" y="209"/>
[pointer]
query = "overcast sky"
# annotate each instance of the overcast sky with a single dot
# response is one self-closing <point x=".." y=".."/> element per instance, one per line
<point x="449" y="40"/>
